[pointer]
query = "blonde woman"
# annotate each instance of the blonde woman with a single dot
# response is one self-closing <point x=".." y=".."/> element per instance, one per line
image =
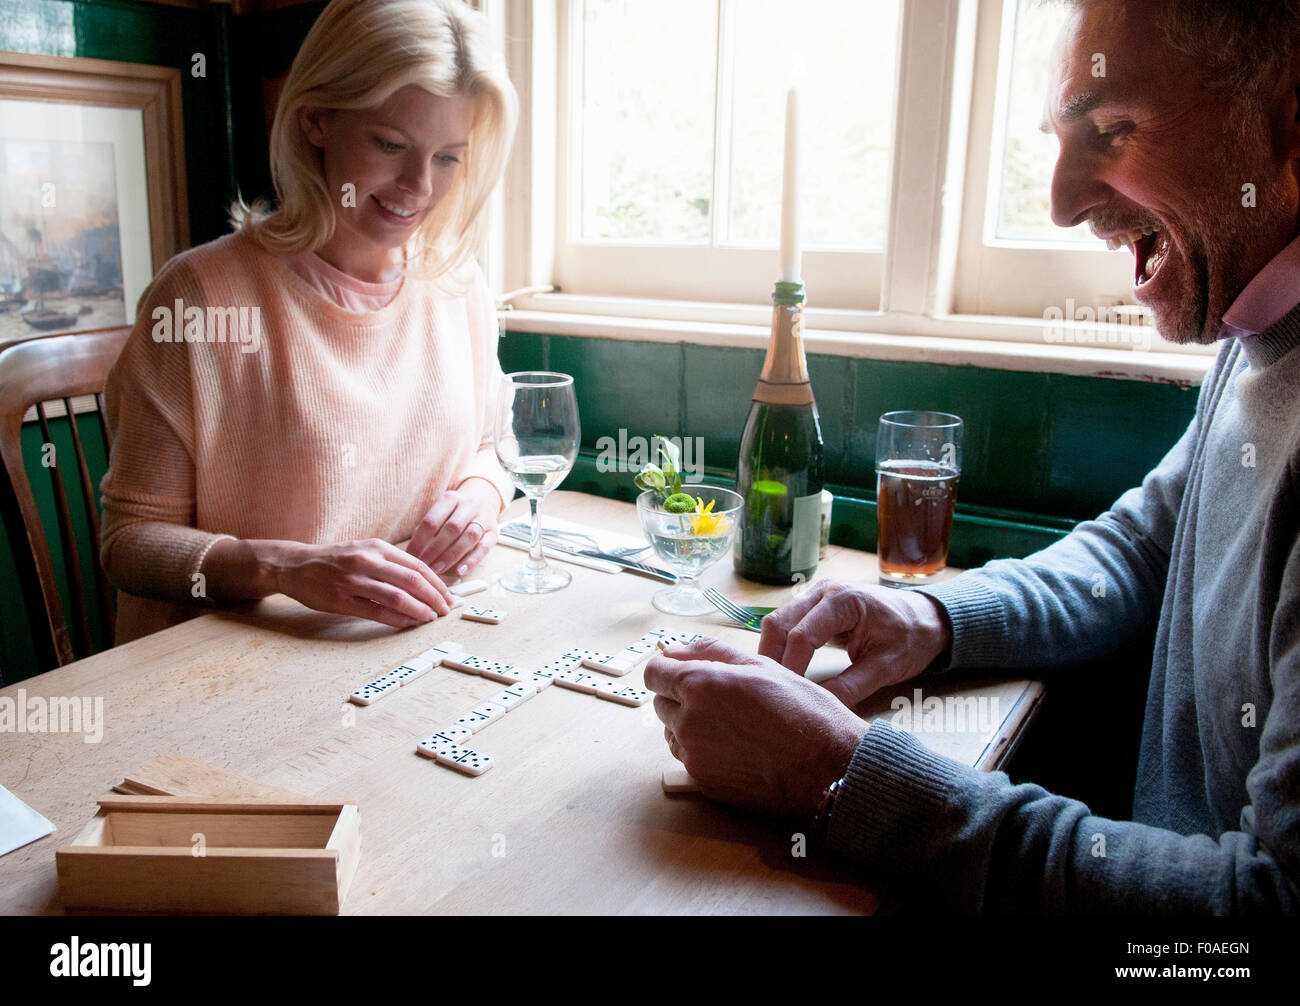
<point x="302" y="393"/>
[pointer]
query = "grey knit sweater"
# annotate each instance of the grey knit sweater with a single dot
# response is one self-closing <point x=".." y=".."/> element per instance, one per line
<point x="1206" y="550"/>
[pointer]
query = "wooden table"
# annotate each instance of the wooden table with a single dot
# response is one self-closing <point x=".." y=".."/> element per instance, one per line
<point x="571" y="819"/>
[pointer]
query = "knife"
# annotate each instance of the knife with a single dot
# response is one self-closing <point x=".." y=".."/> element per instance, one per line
<point x="632" y="564"/>
<point x="591" y="553"/>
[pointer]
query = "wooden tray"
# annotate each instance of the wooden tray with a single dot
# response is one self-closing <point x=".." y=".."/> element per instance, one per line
<point x="176" y="854"/>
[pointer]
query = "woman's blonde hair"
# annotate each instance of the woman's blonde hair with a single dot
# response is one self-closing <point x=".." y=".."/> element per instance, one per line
<point x="356" y="56"/>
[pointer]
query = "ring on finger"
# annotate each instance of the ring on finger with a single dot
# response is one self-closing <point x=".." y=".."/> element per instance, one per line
<point x="481" y="526"/>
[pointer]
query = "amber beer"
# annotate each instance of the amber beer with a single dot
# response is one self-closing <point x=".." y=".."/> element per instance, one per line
<point x="918" y="463"/>
<point x="915" y="502"/>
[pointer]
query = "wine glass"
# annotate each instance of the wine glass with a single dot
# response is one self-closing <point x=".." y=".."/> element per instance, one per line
<point x="689" y="543"/>
<point x="537" y="434"/>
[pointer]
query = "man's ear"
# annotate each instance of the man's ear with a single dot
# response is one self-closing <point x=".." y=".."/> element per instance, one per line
<point x="314" y="122"/>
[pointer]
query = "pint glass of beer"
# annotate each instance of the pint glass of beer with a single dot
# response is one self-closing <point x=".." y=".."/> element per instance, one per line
<point x="918" y="462"/>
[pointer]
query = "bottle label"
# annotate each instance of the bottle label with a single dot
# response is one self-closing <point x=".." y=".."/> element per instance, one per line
<point x="806" y="533"/>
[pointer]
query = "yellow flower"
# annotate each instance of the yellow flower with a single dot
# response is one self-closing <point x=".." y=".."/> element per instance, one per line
<point x="705" y="523"/>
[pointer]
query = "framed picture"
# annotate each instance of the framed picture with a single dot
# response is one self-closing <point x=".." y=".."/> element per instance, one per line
<point x="92" y="190"/>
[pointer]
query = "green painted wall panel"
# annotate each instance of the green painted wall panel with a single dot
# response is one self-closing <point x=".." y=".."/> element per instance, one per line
<point x="522" y="353"/>
<point x="718" y="418"/>
<point x="1103" y="435"/>
<point x="977" y="535"/>
<point x="718" y="391"/>
<point x="622" y="380"/>
<point x="833" y="380"/>
<point x="17" y="653"/>
<point x="1002" y="413"/>
<point x="1044" y="444"/>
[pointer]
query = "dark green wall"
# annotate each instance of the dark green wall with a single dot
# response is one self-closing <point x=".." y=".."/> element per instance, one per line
<point x="17" y="653"/>
<point x="1042" y="451"/>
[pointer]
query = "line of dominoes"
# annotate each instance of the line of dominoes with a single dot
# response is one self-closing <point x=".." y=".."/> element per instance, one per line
<point x="565" y="671"/>
<point x="423" y="663"/>
<point x="446" y="746"/>
<point x="632" y="655"/>
<point x="403" y="674"/>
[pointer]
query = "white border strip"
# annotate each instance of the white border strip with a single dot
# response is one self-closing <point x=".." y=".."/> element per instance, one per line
<point x="1185" y="369"/>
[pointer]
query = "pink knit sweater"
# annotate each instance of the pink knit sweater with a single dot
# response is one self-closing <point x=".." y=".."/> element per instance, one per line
<point x="312" y="423"/>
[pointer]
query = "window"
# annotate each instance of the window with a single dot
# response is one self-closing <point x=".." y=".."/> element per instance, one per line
<point x="1013" y="260"/>
<point x="646" y="182"/>
<point x="671" y="165"/>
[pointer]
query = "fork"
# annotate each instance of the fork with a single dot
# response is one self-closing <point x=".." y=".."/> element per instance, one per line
<point x="627" y="551"/>
<point x="622" y="551"/>
<point x="741" y="616"/>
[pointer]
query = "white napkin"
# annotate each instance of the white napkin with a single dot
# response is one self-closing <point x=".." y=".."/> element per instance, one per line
<point x="19" y="824"/>
<point x="606" y="540"/>
<point x="555" y="553"/>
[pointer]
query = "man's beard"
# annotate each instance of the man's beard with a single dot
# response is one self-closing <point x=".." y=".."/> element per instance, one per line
<point x="1216" y="245"/>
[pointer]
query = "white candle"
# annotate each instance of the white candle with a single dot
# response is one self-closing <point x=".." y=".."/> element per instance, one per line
<point x="790" y="192"/>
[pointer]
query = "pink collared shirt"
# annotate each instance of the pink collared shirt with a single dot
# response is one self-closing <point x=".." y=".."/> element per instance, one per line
<point x="1271" y="295"/>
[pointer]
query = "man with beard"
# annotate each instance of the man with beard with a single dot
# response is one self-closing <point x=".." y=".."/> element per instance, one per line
<point x="1186" y="151"/>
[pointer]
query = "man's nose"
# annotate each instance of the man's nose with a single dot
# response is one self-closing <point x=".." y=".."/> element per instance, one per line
<point x="1077" y="189"/>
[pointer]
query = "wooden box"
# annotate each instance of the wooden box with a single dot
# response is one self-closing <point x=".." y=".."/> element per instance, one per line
<point x="176" y="854"/>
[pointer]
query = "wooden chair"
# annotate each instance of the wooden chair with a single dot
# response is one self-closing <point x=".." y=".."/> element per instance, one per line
<point x="38" y="373"/>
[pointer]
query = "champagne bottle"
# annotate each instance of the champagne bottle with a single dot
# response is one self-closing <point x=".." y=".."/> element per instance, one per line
<point x="781" y="458"/>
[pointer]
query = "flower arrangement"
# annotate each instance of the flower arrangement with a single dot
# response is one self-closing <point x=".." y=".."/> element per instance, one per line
<point x="667" y="482"/>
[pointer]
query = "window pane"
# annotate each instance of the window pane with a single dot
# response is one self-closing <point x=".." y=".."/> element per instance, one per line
<point x="841" y="54"/>
<point x="1024" y="211"/>
<point x="648" y="71"/>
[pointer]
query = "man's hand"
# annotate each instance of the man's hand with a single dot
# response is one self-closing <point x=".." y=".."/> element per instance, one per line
<point x="750" y="732"/>
<point x="890" y="635"/>
<point x="459" y="528"/>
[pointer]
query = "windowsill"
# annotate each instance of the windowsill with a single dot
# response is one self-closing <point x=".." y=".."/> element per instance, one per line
<point x="996" y="343"/>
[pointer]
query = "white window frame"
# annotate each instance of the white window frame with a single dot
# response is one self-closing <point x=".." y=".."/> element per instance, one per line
<point x="999" y="276"/>
<point x="945" y="158"/>
<point x="723" y="270"/>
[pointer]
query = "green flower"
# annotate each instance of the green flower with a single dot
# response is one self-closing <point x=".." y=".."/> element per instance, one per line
<point x="680" y="503"/>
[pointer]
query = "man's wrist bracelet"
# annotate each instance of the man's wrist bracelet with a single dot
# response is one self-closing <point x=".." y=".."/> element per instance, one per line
<point x="821" y="820"/>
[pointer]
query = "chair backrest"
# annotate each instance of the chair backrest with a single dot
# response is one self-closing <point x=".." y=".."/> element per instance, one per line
<point x="38" y="373"/>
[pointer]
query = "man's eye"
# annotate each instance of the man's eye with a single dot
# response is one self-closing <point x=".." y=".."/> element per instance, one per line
<point x="1107" y="139"/>
<point x="388" y="148"/>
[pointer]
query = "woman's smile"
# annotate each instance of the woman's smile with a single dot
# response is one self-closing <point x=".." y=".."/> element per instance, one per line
<point x="396" y="214"/>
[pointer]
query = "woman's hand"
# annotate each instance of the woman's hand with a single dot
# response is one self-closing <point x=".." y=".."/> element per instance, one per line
<point x="370" y="579"/>
<point x="459" y="528"/>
